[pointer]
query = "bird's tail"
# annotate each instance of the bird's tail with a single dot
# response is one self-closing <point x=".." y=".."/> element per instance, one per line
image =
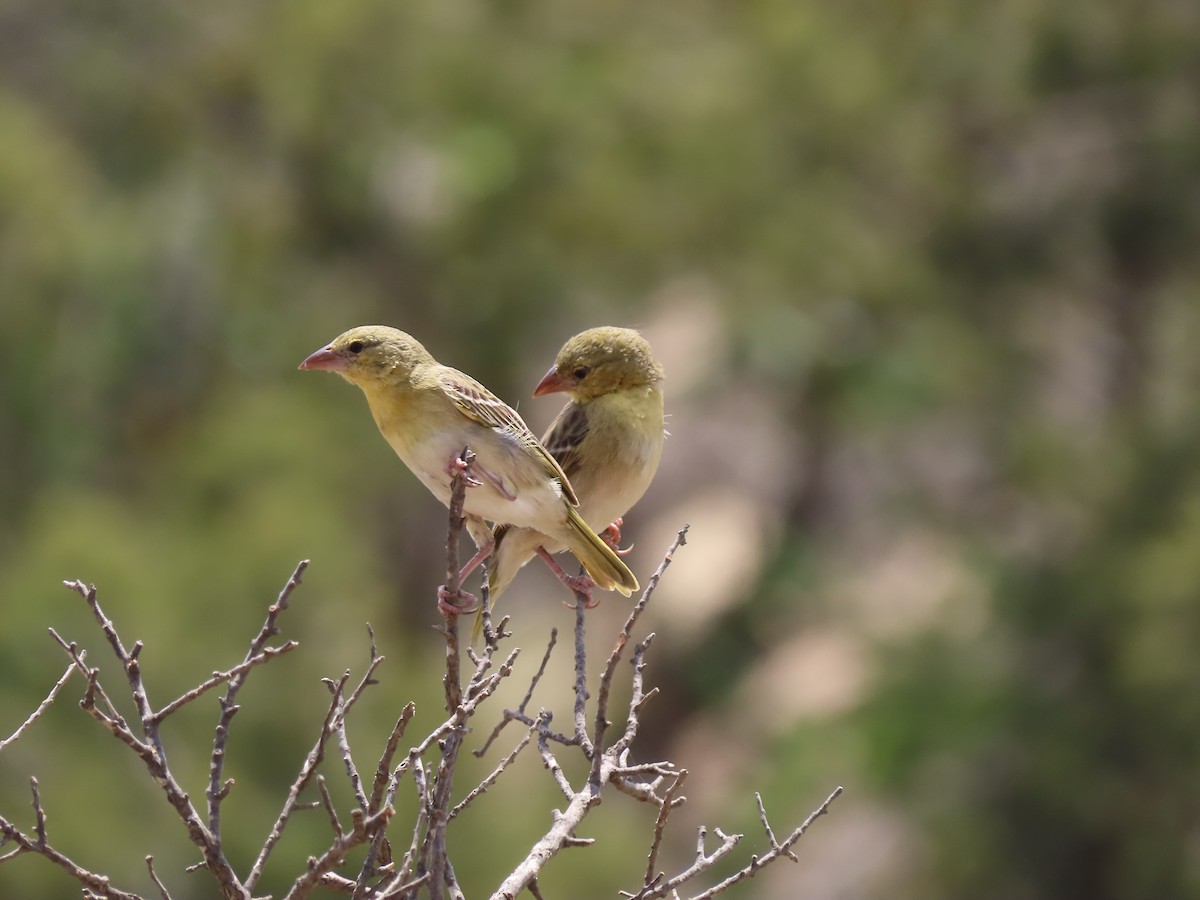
<point x="600" y="560"/>
<point x="515" y="547"/>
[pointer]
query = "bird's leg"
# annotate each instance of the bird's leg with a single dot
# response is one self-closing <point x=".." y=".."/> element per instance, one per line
<point x="473" y="563"/>
<point x="496" y="482"/>
<point x="455" y="604"/>
<point x="612" y="536"/>
<point x="581" y="583"/>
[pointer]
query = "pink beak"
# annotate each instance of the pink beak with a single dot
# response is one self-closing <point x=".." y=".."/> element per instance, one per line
<point x="326" y="359"/>
<point x="551" y="383"/>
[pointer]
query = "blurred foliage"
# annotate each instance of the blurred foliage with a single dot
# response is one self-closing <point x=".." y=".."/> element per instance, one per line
<point x="925" y="281"/>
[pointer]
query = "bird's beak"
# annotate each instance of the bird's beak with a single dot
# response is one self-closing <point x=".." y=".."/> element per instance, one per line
<point x="551" y="383"/>
<point x="326" y="359"/>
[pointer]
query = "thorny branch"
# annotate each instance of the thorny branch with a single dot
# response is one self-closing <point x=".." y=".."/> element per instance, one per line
<point x="425" y="868"/>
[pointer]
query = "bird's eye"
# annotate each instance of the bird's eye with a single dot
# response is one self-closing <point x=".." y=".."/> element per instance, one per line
<point x="580" y="373"/>
<point x="355" y="347"/>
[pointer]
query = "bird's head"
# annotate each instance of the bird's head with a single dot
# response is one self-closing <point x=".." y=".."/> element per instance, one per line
<point x="599" y="361"/>
<point x="370" y="353"/>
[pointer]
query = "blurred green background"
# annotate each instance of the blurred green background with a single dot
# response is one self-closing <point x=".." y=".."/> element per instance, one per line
<point x="924" y="279"/>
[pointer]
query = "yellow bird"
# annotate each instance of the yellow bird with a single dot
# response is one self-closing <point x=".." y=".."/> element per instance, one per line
<point x="608" y="440"/>
<point x="428" y="412"/>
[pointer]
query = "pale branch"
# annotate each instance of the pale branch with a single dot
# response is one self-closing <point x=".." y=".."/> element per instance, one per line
<point x="657" y="885"/>
<point x="581" y="692"/>
<point x="638" y="695"/>
<point x="219" y="678"/>
<point x="151" y="750"/>
<point x="495" y="774"/>
<point x="623" y="638"/>
<point x="364" y="829"/>
<point x="766" y="824"/>
<point x="389" y="752"/>
<point x="307" y="771"/>
<point x="777" y="850"/>
<point x="704" y="860"/>
<point x="383" y="793"/>
<point x="550" y="761"/>
<point x="216" y="789"/>
<point x="39" y="844"/>
<point x="42" y="707"/>
<point x="432" y="856"/>
<point x="519" y="714"/>
<point x="422" y="785"/>
<point x="426" y="868"/>
<point x="672" y="799"/>
<point x="163" y="893"/>
<point x="605" y="762"/>
<point x="327" y="804"/>
<point x="343" y="741"/>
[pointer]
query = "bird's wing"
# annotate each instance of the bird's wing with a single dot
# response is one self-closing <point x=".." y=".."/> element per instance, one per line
<point x="480" y="405"/>
<point x="566" y="435"/>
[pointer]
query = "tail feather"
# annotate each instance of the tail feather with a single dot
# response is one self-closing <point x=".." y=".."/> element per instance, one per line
<point x="515" y="547"/>
<point x="600" y="560"/>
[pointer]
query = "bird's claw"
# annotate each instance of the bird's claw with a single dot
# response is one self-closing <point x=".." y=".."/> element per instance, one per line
<point x="612" y="536"/>
<point x="455" y="603"/>
<point x="580" y="584"/>
<point x="461" y="467"/>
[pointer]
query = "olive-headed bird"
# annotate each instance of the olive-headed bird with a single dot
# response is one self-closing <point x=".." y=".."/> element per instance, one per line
<point x="608" y="440"/>
<point x="428" y="413"/>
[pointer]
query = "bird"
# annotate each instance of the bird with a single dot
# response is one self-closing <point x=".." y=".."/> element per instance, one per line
<point x="608" y="439"/>
<point x="429" y="412"/>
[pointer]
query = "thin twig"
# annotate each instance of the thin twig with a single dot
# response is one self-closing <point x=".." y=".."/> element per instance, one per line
<point x="163" y="893"/>
<point x="216" y="789"/>
<point x="670" y="801"/>
<point x="42" y="707"/>
<point x="495" y="773"/>
<point x="307" y="770"/>
<point x="509" y="715"/>
<point x="610" y="668"/>
<point x="219" y="678"/>
<point x="581" y="691"/>
<point x="150" y="751"/>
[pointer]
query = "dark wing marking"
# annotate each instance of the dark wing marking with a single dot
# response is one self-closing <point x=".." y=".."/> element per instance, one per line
<point x="566" y="435"/>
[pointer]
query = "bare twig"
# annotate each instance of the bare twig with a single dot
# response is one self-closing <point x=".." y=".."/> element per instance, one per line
<point x="163" y="893"/>
<point x="364" y="829"/>
<point x="520" y="711"/>
<point x="670" y="801"/>
<point x="98" y="884"/>
<point x="42" y="707"/>
<point x="151" y="750"/>
<point x="610" y="668"/>
<point x="307" y="771"/>
<point x="433" y="852"/>
<point x="229" y="708"/>
<point x="581" y="691"/>
<point x="775" y="852"/>
<point x="426" y="867"/>
<point x="604" y="762"/>
<point x="495" y="773"/>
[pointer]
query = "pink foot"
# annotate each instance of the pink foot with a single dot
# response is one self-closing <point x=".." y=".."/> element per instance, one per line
<point x="612" y="536"/>
<point x="451" y="604"/>
<point x="576" y="583"/>
<point x="457" y="466"/>
<point x="583" y="585"/>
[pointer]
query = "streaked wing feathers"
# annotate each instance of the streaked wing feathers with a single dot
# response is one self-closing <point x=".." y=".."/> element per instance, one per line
<point x="480" y="405"/>
<point x="566" y="435"/>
